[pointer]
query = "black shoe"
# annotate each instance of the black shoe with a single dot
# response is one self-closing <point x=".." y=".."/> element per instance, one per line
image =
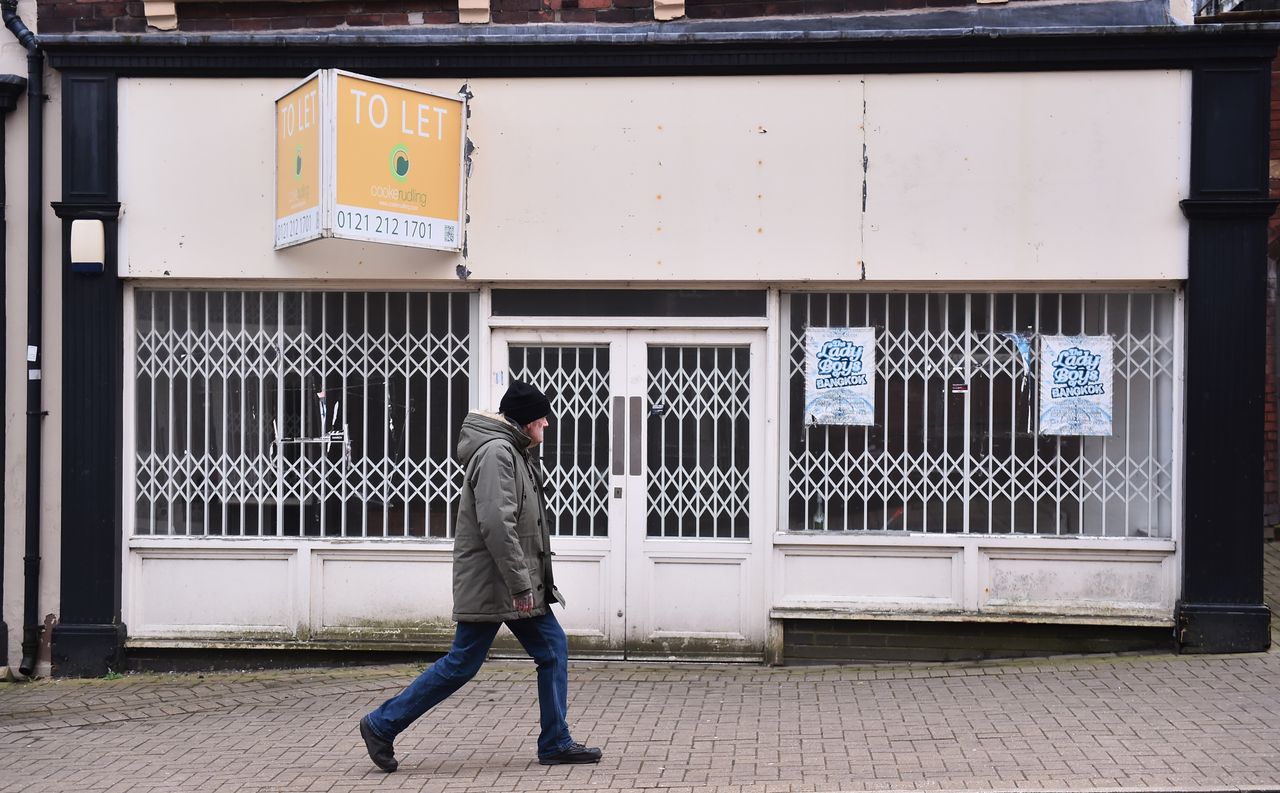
<point x="574" y="753"/>
<point x="380" y="751"/>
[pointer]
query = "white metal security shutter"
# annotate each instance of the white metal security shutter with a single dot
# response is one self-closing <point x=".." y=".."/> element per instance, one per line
<point x="314" y="414"/>
<point x="955" y="446"/>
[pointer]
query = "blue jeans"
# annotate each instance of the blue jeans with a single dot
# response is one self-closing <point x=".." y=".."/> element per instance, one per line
<point x="542" y="638"/>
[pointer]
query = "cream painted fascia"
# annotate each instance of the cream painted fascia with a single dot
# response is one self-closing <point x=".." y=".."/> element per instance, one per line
<point x="1019" y="177"/>
<point x="1014" y="178"/>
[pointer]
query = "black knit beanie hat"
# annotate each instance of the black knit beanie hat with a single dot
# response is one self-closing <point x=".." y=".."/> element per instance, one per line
<point x="524" y="404"/>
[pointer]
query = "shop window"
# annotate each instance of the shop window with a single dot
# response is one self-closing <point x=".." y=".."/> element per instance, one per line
<point x="955" y="446"/>
<point x="304" y="414"/>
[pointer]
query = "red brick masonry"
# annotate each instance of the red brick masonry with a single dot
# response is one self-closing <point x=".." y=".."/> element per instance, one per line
<point x="84" y="16"/>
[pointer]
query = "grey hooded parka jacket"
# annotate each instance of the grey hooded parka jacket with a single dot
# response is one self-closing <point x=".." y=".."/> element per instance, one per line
<point x="502" y="543"/>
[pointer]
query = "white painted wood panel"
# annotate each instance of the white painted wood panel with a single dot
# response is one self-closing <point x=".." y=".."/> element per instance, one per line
<point x="392" y="593"/>
<point x="228" y="593"/>
<point x="585" y="579"/>
<point x="696" y="597"/>
<point x="1065" y="581"/>
<point x="872" y="577"/>
<point x="857" y="576"/>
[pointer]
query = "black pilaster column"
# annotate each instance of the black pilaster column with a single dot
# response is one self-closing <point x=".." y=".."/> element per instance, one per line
<point x="89" y="637"/>
<point x="1221" y="607"/>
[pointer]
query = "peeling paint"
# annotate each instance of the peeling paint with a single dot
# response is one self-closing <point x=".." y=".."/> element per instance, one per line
<point x="1100" y="589"/>
<point x="866" y="165"/>
<point x="688" y="647"/>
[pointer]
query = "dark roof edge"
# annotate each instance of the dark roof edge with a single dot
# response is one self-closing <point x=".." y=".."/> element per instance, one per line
<point x="932" y="41"/>
<point x="685" y="32"/>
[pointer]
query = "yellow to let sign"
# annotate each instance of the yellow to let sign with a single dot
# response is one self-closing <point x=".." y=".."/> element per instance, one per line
<point x="391" y="163"/>
<point x="399" y="162"/>
<point x="298" y="164"/>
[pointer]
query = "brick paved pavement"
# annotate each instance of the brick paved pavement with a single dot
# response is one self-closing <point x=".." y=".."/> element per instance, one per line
<point x="1136" y="722"/>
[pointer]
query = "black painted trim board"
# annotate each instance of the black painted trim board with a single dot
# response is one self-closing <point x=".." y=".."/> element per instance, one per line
<point x="89" y="636"/>
<point x="698" y="49"/>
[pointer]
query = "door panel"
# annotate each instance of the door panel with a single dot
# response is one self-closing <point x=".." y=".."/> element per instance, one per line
<point x="694" y="586"/>
<point x="649" y="461"/>
<point x="579" y="375"/>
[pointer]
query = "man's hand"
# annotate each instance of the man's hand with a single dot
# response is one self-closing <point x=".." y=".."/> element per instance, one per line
<point x="523" y="603"/>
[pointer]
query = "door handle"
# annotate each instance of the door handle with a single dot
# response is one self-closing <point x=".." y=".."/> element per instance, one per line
<point x="619" y="453"/>
<point x="635" y="436"/>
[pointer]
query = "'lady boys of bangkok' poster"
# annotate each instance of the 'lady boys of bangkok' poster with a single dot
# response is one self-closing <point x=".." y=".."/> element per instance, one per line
<point x="840" y="376"/>
<point x="1075" y="385"/>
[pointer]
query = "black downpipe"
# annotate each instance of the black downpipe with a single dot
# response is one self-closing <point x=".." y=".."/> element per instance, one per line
<point x="32" y="627"/>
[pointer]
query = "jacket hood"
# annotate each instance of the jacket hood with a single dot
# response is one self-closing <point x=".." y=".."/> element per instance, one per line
<point x="480" y="427"/>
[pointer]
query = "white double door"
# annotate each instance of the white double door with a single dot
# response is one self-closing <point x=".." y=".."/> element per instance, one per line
<point x="654" y="475"/>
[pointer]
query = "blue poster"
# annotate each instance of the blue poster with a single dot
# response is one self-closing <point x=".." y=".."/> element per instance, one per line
<point x="840" y="376"/>
<point x="1076" y="385"/>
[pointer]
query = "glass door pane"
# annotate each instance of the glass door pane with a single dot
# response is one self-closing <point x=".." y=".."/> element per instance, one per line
<point x="575" y="451"/>
<point x="698" y="455"/>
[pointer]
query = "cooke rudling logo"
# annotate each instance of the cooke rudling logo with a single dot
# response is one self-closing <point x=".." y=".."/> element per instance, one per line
<point x="297" y="162"/>
<point x="400" y="163"/>
<point x="1076" y="373"/>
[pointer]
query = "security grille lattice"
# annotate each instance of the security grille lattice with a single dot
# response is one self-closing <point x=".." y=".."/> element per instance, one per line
<point x="699" y="446"/>
<point x="315" y="414"/>
<point x="575" y="446"/>
<point x="955" y="446"/>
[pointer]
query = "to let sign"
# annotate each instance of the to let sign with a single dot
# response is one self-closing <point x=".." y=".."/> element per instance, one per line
<point x="390" y="162"/>
<point x="298" y="164"/>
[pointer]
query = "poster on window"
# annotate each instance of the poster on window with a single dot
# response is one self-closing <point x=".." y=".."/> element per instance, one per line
<point x="840" y="376"/>
<point x="1075" y="385"/>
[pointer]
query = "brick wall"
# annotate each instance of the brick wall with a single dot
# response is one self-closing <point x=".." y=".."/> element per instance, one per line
<point x="90" y="16"/>
<point x="129" y="16"/>
<point x="83" y="16"/>
<point x="835" y="641"/>
<point x="725" y="9"/>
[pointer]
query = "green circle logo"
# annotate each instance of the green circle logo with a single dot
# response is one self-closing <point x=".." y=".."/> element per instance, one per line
<point x="297" y="163"/>
<point x="400" y="163"/>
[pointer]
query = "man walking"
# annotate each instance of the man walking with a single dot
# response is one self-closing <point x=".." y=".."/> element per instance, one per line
<point x="501" y="574"/>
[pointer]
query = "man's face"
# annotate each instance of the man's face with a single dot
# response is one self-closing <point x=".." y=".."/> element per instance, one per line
<point x="534" y="430"/>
